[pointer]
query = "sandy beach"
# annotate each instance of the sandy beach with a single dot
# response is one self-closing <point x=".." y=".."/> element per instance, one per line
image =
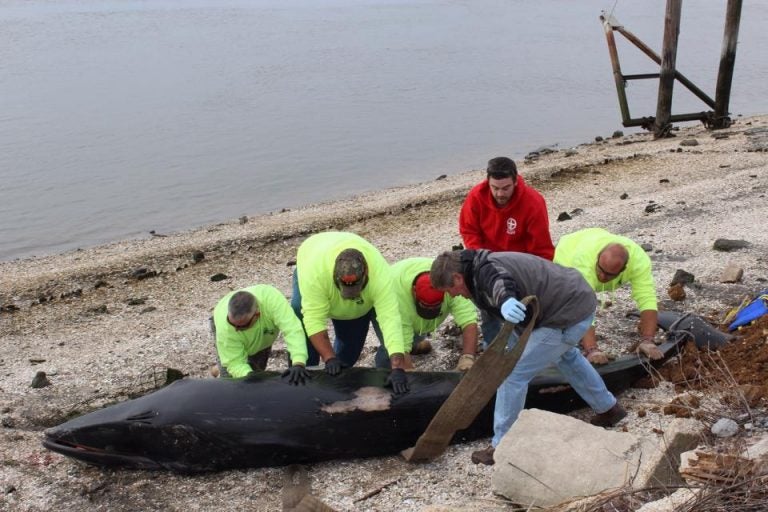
<point x="100" y="321"/>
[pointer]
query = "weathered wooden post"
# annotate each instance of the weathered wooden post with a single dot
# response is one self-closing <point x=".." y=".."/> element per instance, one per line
<point x="608" y="24"/>
<point x="727" y="63"/>
<point x="667" y="77"/>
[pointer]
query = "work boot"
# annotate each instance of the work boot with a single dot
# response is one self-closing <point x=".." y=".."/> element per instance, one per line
<point x="421" y="347"/>
<point x="484" y="456"/>
<point x="610" y="417"/>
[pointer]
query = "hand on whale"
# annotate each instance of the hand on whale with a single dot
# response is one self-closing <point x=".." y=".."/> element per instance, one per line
<point x="296" y="375"/>
<point x="333" y="366"/>
<point x="398" y="381"/>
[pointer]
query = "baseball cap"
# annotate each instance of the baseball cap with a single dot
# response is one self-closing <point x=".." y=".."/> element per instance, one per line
<point x="428" y="299"/>
<point x="350" y="273"/>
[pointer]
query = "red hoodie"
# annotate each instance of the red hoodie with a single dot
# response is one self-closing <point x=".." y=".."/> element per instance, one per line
<point x="522" y="225"/>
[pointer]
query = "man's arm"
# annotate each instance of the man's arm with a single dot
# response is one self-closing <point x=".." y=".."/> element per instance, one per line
<point x="469" y="226"/>
<point x="649" y="324"/>
<point x="322" y="344"/>
<point x="469" y="336"/>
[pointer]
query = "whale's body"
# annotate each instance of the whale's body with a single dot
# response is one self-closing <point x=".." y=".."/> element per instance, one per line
<point x="214" y="424"/>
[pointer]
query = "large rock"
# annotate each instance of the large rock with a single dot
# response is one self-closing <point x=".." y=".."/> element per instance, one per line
<point x="547" y="459"/>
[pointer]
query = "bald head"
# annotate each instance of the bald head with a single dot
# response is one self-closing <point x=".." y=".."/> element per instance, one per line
<point x="611" y="262"/>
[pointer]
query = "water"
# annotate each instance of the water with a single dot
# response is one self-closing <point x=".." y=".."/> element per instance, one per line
<point x="118" y="117"/>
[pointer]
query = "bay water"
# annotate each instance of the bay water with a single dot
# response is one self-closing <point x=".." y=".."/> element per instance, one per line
<point x="118" y="117"/>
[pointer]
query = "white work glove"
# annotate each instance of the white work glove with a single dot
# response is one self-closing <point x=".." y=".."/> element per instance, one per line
<point x="513" y="311"/>
<point x="465" y="362"/>
<point x="596" y="356"/>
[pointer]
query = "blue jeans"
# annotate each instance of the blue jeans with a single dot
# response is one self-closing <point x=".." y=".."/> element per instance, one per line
<point x="546" y="346"/>
<point x="350" y="334"/>
<point x="490" y="327"/>
<point x="382" y="355"/>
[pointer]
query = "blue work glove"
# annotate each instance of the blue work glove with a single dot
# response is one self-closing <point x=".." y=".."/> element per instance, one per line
<point x="398" y="381"/>
<point x="513" y="311"/>
<point x="333" y="366"/>
<point x="297" y="374"/>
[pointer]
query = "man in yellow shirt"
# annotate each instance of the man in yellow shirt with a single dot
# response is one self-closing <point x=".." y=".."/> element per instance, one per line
<point x="344" y="278"/>
<point x="608" y="261"/>
<point x="246" y="323"/>
<point x="423" y="309"/>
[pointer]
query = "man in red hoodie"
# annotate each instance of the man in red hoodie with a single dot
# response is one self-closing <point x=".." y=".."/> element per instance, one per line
<point x="502" y="213"/>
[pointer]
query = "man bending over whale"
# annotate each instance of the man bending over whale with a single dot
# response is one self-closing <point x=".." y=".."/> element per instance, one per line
<point x="343" y="277"/>
<point x="496" y="282"/>
<point x="246" y="323"/>
<point x="608" y="261"/>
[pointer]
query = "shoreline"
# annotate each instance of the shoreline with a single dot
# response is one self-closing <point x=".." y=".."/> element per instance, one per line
<point x="96" y="326"/>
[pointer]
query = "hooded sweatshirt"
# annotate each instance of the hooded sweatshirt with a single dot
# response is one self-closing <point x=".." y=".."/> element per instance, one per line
<point x="565" y="298"/>
<point x="522" y="225"/>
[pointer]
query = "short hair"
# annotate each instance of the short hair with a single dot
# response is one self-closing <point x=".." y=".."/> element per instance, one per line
<point x="501" y="167"/>
<point x="443" y="268"/>
<point x="242" y="304"/>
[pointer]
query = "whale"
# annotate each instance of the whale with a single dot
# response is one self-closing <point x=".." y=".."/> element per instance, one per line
<point x="197" y="425"/>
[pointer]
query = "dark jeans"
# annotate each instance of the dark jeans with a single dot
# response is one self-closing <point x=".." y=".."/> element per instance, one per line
<point x="382" y="355"/>
<point x="257" y="361"/>
<point x="350" y="334"/>
<point x="490" y="327"/>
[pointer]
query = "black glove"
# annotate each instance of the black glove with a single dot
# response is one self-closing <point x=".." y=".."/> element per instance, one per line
<point x="333" y="366"/>
<point x="297" y="374"/>
<point x="398" y="381"/>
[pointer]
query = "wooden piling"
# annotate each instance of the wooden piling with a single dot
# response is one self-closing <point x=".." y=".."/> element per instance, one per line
<point x="667" y="77"/>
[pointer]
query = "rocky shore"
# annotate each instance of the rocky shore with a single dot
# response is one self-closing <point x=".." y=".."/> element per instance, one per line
<point x="104" y="322"/>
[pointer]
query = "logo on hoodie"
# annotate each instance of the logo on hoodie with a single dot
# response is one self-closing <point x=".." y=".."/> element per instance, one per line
<point x="511" y="226"/>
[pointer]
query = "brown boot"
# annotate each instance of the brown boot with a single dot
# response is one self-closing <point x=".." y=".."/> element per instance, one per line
<point x="421" y="347"/>
<point x="484" y="456"/>
<point x="610" y="417"/>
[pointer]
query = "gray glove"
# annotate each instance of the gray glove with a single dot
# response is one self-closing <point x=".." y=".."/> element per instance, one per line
<point x="297" y="374"/>
<point x="398" y="381"/>
<point x="333" y="366"/>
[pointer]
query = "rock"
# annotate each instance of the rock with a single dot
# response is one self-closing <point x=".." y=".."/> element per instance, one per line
<point x="441" y="177"/>
<point x="725" y="427"/>
<point x="689" y="142"/>
<point x="676" y="292"/>
<point x="682" y="277"/>
<point x="725" y="245"/>
<point x="646" y="247"/>
<point x="136" y="301"/>
<point x="663" y="180"/>
<point x="143" y="273"/>
<point x="244" y="219"/>
<point x="624" y="196"/>
<point x="653" y="207"/>
<point x="598" y="139"/>
<point x="732" y="273"/>
<point x="617" y="134"/>
<point x="198" y="256"/>
<point x="563" y="216"/>
<point x="219" y="277"/>
<point x="675" y="501"/>
<point x="40" y="380"/>
<point x="148" y="309"/>
<point x="547" y="458"/>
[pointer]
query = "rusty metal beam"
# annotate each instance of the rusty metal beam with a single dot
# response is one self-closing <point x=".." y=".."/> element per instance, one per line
<point x="727" y="63"/>
<point x="632" y="38"/>
<point x="617" y="76"/>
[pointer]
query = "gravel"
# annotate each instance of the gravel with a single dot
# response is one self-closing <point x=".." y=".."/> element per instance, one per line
<point x="103" y="322"/>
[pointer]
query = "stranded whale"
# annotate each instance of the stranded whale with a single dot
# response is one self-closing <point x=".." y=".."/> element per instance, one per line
<point x="197" y="425"/>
